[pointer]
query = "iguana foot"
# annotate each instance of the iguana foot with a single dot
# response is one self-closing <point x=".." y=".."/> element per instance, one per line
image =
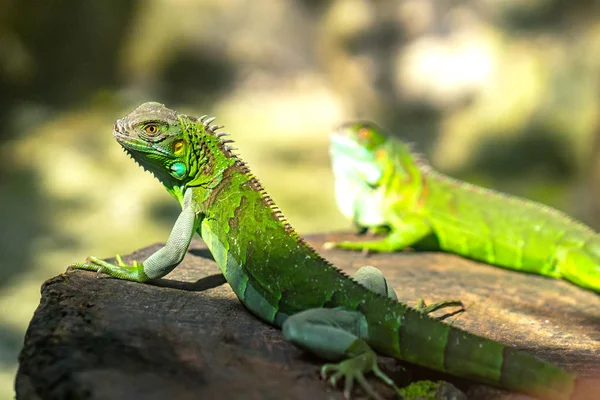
<point x="133" y="272"/>
<point x="426" y="309"/>
<point x="329" y="245"/>
<point x="348" y="245"/>
<point x="353" y="369"/>
<point x="371" y="231"/>
<point x="386" y="244"/>
<point x="360" y="231"/>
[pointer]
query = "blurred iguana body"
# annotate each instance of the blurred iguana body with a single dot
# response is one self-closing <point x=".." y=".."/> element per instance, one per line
<point x="284" y="282"/>
<point x="380" y="183"/>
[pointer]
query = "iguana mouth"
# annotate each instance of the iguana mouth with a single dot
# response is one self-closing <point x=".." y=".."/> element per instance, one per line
<point x="131" y="143"/>
<point x="343" y="146"/>
<point x="120" y="136"/>
<point x="135" y="146"/>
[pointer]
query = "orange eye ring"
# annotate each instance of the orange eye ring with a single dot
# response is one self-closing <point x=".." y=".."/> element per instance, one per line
<point x="151" y="129"/>
<point x="364" y="134"/>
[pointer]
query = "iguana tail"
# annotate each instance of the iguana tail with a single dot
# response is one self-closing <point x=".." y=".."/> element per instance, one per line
<point x="428" y="342"/>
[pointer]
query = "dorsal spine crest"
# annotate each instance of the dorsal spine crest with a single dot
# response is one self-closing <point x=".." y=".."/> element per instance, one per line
<point x="224" y="145"/>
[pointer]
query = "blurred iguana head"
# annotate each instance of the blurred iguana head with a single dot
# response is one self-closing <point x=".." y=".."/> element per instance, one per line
<point x="175" y="147"/>
<point x="360" y="153"/>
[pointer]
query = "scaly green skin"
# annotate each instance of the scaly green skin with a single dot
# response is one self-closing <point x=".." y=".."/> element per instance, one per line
<point x="380" y="183"/>
<point x="284" y="282"/>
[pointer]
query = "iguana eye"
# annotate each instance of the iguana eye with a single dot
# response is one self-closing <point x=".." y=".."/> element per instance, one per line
<point x="151" y="129"/>
<point x="364" y="134"/>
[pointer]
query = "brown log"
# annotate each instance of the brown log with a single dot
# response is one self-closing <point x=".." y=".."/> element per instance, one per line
<point x="187" y="335"/>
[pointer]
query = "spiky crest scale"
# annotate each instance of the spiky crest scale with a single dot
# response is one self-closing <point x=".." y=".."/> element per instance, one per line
<point x="199" y="156"/>
<point x="426" y="169"/>
<point x="429" y="171"/>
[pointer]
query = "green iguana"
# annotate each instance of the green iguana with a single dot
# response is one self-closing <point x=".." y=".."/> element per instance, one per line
<point x="286" y="283"/>
<point x="381" y="184"/>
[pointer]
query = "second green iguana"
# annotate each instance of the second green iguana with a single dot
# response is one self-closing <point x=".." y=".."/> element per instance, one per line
<point x="284" y="282"/>
<point x="380" y="184"/>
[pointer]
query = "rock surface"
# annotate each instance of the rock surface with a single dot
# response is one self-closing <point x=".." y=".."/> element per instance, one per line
<point x="187" y="336"/>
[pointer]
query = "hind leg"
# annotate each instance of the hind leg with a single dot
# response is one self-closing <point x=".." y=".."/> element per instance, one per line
<point x="581" y="265"/>
<point x="373" y="279"/>
<point x="340" y="335"/>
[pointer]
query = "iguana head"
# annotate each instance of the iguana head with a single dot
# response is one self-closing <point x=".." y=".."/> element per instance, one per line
<point x="172" y="146"/>
<point x="359" y="166"/>
<point x="362" y="165"/>
<point x="356" y="146"/>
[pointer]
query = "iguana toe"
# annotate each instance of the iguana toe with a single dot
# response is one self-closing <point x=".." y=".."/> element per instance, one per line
<point x="353" y="369"/>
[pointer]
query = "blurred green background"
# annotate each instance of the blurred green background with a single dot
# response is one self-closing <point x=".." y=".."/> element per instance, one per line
<point x="503" y="94"/>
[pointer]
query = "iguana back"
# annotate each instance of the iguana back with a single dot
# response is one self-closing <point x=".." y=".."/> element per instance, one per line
<point x="496" y="228"/>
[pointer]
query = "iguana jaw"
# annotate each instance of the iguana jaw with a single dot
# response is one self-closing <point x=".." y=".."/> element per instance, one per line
<point x="357" y="176"/>
<point x="138" y="149"/>
<point x="142" y="153"/>
<point x="352" y="161"/>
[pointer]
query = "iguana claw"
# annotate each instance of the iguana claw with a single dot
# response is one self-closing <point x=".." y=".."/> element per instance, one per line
<point x="353" y="369"/>
<point x="329" y="245"/>
<point x="333" y="245"/>
<point x="427" y="309"/>
<point x="121" y="270"/>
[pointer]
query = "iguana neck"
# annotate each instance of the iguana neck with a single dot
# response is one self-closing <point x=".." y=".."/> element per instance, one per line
<point x="209" y="157"/>
<point x="404" y="175"/>
<point x="255" y="247"/>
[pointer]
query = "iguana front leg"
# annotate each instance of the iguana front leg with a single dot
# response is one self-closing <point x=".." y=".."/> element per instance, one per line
<point x="159" y="263"/>
<point x="404" y="232"/>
